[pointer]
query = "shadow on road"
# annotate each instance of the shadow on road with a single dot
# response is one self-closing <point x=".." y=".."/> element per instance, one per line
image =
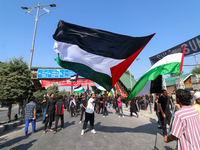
<point x="13" y="141"/>
<point x="150" y="128"/>
<point x="24" y="146"/>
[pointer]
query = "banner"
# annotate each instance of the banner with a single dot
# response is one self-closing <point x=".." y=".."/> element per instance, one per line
<point x="67" y="82"/>
<point x="192" y="46"/>
<point x="120" y="91"/>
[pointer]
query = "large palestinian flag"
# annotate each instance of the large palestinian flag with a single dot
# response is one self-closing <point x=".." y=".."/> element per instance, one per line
<point x="97" y="55"/>
<point x="172" y="63"/>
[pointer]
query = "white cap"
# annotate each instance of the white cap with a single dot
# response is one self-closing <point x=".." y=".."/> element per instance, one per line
<point x="197" y="95"/>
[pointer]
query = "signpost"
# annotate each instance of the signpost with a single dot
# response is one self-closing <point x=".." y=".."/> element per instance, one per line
<point x="55" y="73"/>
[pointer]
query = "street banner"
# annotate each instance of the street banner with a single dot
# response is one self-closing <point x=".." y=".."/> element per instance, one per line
<point x="67" y="82"/>
<point x="120" y="91"/>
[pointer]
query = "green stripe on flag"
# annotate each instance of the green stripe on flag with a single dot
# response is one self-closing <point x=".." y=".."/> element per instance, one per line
<point x="102" y="79"/>
<point x="152" y="74"/>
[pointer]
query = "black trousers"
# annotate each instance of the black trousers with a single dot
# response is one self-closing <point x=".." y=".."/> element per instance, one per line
<point x="89" y="117"/>
<point x="72" y="109"/>
<point x="46" y="122"/>
<point x="164" y="122"/>
<point x="101" y="109"/>
<point x="62" y="121"/>
<point x="82" y="112"/>
<point x="105" y="111"/>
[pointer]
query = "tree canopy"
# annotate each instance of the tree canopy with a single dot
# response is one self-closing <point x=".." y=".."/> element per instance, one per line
<point x="15" y="81"/>
<point x="196" y="70"/>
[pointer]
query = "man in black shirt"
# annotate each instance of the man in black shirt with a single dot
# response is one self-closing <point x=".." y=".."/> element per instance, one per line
<point x="83" y="108"/>
<point x="164" y="114"/>
<point x="44" y="104"/>
<point x="59" y="113"/>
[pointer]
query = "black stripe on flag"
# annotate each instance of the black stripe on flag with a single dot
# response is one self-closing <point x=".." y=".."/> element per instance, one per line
<point x="99" y="42"/>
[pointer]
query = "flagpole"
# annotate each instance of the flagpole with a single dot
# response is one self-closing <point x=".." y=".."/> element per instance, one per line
<point x="130" y="76"/>
<point x="177" y="89"/>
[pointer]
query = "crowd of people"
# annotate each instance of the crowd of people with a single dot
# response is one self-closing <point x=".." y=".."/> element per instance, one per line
<point x="185" y="104"/>
<point x="84" y="104"/>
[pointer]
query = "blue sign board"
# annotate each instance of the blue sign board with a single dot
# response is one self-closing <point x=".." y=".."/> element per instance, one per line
<point x="55" y="73"/>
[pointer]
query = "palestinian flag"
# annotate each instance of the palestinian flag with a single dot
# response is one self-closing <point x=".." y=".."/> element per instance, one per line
<point x="97" y="55"/>
<point x="74" y="78"/>
<point x="78" y="89"/>
<point x="172" y="63"/>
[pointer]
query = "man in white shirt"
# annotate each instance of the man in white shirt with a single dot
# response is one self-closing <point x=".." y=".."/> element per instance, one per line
<point x="89" y="115"/>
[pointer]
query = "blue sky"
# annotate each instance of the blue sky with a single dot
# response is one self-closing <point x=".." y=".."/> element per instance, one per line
<point x="174" y="22"/>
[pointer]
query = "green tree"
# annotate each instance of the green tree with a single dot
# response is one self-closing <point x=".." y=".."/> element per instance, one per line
<point x="63" y="92"/>
<point x="15" y="82"/>
<point x="53" y="89"/>
<point x="38" y="98"/>
<point x="196" y="70"/>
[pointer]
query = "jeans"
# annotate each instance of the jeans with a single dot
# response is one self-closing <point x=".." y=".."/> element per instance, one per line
<point x="43" y="113"/>
<point x="27" y="124"/>
<point x="120" y="109"/>
<point x="108" y="104"/>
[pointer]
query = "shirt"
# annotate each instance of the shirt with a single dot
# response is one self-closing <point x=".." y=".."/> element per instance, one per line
<point x="197" y="108"/>
<point x="119" y="102"/>
<point x="30" y="110"/>
<point x="90" y="106"/>
<point x="59" y="108"/>
<point x="186" y="127"/>
<point x="44" y="104"/>
<point x="83" y="102"/>
<point x="164" y="101"/>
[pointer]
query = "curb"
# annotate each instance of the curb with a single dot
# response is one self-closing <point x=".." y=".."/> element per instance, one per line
<point x="14" y="124"/>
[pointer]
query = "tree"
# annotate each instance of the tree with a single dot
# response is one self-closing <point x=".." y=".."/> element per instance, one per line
<point x="15" y="82"/>
<point x="38" y="98"/>
<point x="196" y="70"/>
<point x="64" y="93"/>
<point x="53" y="89"/>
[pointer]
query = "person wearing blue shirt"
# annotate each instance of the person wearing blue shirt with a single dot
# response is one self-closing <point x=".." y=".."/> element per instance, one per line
<point x="30" y="115"/>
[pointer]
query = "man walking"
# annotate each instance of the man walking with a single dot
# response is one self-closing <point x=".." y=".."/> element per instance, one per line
<point x="59" y="112"/>
<point x="44" y="104"/>
<point x="50" y="113"/>
<point x="83" y="107"/>
<point x="72" y="106"/>
<point x="89" y="115"/>
<point x="30" y="115"/>
<point x="165" y="114"/>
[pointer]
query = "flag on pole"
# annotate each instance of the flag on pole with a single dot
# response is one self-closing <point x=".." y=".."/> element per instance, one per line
<point x="74" y="78"/>
<point x="172" y="63"/>
<point x="97" y="55"/>
<point x="78" y="89"/>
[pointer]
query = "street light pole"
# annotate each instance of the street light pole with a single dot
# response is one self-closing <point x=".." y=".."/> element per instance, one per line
<point x="36" y="21"/>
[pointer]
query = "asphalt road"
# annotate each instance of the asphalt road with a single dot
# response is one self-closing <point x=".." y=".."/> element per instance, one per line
<point x="113" y="133"/>
<point x="4" y="111"/>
